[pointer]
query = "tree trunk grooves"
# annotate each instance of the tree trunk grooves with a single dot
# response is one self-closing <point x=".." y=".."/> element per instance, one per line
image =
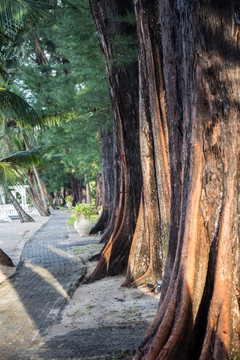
<point x="24" y="217"/>
<point x="146" y="260"/>
<point x="39" y="184"/>
<point x="77" y="190"/>
<point x="107" y="184"/>
<point x="198" y="316"/>
<point x="123" y="85"/>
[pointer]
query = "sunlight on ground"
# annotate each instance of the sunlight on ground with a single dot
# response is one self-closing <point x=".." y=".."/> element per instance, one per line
<point x="16" y="310"/>
<point x="50" y="279"/>
<point x="63" y="254"/>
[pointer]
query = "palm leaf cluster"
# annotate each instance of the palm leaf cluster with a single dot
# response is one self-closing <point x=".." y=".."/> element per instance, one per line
<point x="14" y="14"/>
<point x="13" y="107"/>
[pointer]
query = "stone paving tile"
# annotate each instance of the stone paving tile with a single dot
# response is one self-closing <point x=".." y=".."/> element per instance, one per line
<point x="44" y="281"/>
<point x="32" y="299"/>
<point x="101" y="343"/>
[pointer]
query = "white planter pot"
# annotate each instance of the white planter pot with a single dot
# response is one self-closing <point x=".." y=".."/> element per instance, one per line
<point x="69" y="204"/>
<point x="83" y="225"/>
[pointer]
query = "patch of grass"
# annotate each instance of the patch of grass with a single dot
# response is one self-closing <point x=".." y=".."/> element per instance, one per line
<point x="73" y="314"/>
<point x="71" y="220"/>
<point x="79" y="250"/>
<point x="111" y="312"/>
<point x="90" y="306"/>
<point x="94" y="218"/>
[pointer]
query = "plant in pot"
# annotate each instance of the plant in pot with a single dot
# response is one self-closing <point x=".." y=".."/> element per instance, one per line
<point x="82" y="213"/>
<point x="69" y="200"/>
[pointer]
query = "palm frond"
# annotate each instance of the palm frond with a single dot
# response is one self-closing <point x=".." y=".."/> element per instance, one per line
<point x="14" y="107"/>
<point x="24" y="158"/>
<point x="14" y="13"/>
<point x="8" y="174"/>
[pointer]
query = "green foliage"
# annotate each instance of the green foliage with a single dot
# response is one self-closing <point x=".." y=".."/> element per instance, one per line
<point x="68" y="89"/>
<point x="69" y="199"/>
<point x="14" y="107"/>
<point x="85" y="209"/>
<point x="8" y="174"/>
<point x="27" y="157"/>
<point x="15" y="13"/>
<point x="10" y="166"/>
<point x="70" y="92"/>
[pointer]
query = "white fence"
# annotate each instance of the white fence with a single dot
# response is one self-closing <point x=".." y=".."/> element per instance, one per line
<point x="6" y="211"/>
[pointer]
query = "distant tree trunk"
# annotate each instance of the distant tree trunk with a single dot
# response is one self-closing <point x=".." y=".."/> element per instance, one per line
<point x="77" y="190"/>
<point x="33" y="193"/>
<point x="198" y="316"/>
<point x="123" y="84"/>
<point x="88" y="194"/>
<point x="24" y="217"/>
<point x="50" y="199"/>
<point x="98" y="200"/>
<point x="107" y="184"/>
<point x="39" y="182"/>
<point x="58" y="199"/>
<point x="146" y="260"/>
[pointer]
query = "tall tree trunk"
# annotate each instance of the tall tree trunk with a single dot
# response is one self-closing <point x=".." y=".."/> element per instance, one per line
<point x="98" y="200"/>
<point x="107" y="184"/>
<point x="77" y="189"/>
<point x="58" y="199"/>
<point x="24" y="217"/>
<point x="38" y="180"/>
<point x="35" y="202"/>
<point x="198" y="316"/>
<point x="33" y="194"/>
<point x="88" y="194"/>
<point x="50" y="199"/>
<point x="123" y="84"/>
<point x="146" y="260"/>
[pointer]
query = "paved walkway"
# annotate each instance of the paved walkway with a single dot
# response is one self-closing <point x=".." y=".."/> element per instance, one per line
<point x="45" y="278"/>
<point x="32" y="299"/>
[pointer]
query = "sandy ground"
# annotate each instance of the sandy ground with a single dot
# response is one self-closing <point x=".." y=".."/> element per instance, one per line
<point x="13" y="236"/>
<point x="103" y="303"/>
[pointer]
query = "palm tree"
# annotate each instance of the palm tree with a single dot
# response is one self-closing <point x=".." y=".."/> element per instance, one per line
<point x="13" y="16"/>
<point x="10" y="174"/>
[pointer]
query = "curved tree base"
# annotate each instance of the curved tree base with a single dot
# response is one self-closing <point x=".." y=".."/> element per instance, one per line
<point x="101" y="224"/>
<point x="5" y="260"/>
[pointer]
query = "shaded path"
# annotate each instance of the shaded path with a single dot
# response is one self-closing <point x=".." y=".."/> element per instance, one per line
<point x="45" y="278"/>
<point x="32" y="299"/>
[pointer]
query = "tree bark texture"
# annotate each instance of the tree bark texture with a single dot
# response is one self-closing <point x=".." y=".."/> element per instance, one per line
<point x="24" y="217"/>
<point x="59" y="201"/>
<point x="107" y="184"/>
<point x="123" y="85"/>
<point x="39" y="183"/>
<point x="77" y="190"/>
<point x="5" y="260"/>
<point x="98" y="197"/>
<point x="146" y="260"/>
<point x="198" y="316"/>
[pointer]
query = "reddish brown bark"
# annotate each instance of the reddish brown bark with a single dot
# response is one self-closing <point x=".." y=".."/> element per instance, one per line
<point x="5" y="259"/>
<point x="123" y="85"/>
<point x="78" y="191"/>
<point x="146" y="260"/>
<point x="107" y="185"/>
<point x="198" y="316"/>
